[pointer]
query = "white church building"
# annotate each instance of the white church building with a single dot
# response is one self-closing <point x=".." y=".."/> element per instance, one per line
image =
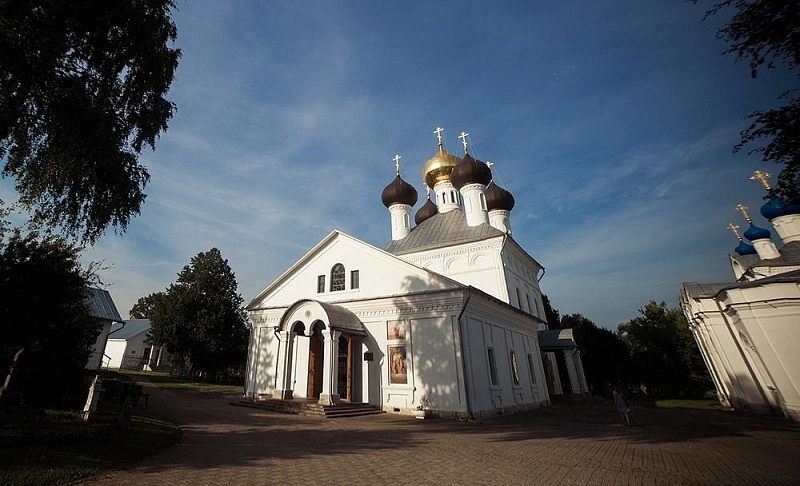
<point x="447" y="316"/>
<point x="748" y="331"/>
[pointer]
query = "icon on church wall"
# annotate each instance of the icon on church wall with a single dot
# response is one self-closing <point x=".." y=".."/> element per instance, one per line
<point x="397" y="365"/>
<point x="396" y="330"/>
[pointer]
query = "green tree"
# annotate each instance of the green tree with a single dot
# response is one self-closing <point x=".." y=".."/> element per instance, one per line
<point x="663" y="351"/>
<point x="604" y="356"/>
<point x="200" y="316"/>
<point x="82" y="88"/>
<point x="552" y="315"/>
<point x="147" y="306"/>
<point x="43" y="311"/>
<point x="765" y="33"/>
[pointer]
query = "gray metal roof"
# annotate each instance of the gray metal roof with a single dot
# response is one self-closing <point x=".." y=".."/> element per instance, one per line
<point x="790" y="255"/>
<point x="341" y="318"/>
<point x="439" y="231"/>
<point x="553" y="339"/>
<point x="704" y="290"/>
<point x="101" y="305"/>
<point x="132" y="328"/>
<point x="698" y="291"/>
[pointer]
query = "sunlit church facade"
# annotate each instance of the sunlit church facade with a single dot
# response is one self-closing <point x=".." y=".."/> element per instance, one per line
<point x="446" y="316"/>
<point x="749" y="330"/>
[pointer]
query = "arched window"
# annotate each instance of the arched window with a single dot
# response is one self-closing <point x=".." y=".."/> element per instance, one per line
<point x="337" y="277"/>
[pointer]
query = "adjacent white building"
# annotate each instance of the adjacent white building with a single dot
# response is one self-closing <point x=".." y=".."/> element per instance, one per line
<point x="129" y="347"/>
<point x="446" y="316"/>
<point x="749" y="330"/>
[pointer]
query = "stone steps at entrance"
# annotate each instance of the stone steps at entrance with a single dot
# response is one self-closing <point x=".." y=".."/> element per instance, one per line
<point x="310" y="407"/>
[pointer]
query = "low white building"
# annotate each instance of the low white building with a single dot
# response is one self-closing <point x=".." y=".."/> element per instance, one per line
<point x="129" y="347"/>
<point x="445" y="316"/>
<point x="749" y="330"/>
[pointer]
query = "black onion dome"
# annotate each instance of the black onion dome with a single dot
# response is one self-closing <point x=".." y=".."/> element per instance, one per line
<point x="426" y="211"/>
<point x="498" y="198"/>
<point x="470" y="171"/>
<point x="399" y="192"/>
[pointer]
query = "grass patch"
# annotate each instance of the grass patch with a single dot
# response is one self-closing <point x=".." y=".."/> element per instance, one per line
<point x="167" y="382"/>
<point x="63" y="449"/>
<point x="695" y="404"/>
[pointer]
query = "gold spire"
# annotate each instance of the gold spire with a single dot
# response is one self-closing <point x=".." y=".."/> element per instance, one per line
<point x="762" y="176"/>
<point x="735" y="230"/>
<point x="743" y="210"/>
<point x="396" y="159"/>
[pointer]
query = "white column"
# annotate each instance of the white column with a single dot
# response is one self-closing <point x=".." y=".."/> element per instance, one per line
<point x="498" y="218"/>
<point x="475" y="204"/>
<point x="787" y="227"/>
<point x="766" y="249"/>
<point x="447" y="198"/>
<point x="283" y="373"/>
<point x="401" y="220"/>
<point x="330" y="391"/>
<point x="574" y="382"/>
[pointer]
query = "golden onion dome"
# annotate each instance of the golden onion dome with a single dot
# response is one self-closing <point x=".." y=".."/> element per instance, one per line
<point x="439" y="167"/>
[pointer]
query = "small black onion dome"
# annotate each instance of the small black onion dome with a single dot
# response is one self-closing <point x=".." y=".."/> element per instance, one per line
<point x="498" y="198"/>
<point x="399" y="192"/>
<point x="426" y="211"/>
<point x="470" y="171"/>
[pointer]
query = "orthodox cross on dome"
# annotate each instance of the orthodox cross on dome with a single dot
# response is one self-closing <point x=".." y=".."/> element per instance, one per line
<point x="396" y="159"/>
<point x="463" y="138"/>
<point x="427" y="189"/>
<point x="735" y="230"/>
<point x="761" y="176"/>
<point x="438" y="133"/>
<point x="744" y="209"/>
<point x="489" y="164"/>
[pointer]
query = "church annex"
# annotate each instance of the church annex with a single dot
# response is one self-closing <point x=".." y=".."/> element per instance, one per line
<point x="747" y="330"/>
<point x="447" y="316"/>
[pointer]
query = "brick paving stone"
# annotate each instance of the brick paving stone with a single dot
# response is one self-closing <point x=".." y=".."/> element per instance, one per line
<point x="570" y="443"/>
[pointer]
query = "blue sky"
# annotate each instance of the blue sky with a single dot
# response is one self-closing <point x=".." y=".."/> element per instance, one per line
<point x="611" y="123"/>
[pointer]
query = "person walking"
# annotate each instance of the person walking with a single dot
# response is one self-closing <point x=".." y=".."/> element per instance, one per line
<point x="622" y="405"/>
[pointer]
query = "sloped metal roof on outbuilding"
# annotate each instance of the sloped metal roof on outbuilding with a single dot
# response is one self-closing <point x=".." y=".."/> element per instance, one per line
<point x="101" y="305"/>
<point x="131" y="328"/>
<point x="554" y="339"/>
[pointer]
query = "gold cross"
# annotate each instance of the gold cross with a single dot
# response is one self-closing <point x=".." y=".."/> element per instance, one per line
<point x="744" y="209"/>
<point x="397" y="162"/>
<point x="761" y="176"/>
<point x="463" y="138"/>
<point x="438" y="133"/>
<point x="735" y="230"/>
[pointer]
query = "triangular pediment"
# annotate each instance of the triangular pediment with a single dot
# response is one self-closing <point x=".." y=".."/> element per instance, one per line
<point x="380" y="274"/>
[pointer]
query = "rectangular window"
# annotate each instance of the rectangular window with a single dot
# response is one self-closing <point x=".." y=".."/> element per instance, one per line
<point x="514" y="369"/>
<point x="354" y="279"/>
<point x="492" y="367"/>
<point x="530" y="308"/>
<point x="531" y="369"/>
<point x="519" y="300"/>
<point x="320" y="284"/>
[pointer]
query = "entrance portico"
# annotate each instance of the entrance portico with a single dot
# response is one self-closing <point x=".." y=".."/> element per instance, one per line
<point x="321" y="332"/>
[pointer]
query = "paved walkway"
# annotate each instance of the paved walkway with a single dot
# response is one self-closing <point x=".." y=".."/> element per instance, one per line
<point x="570" y="443"/>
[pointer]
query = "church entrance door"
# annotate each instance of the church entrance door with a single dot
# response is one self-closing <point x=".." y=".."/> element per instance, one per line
<point x="548" y="374"/>
<point x="344" y="384"/>
<point x="316" y="351"/>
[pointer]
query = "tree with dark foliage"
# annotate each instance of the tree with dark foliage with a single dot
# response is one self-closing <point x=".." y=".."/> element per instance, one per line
<point x="200" y="316"/>
<point x="82" y="88"/>
<point x="604" y="356"/>
<point x="663" y="350"/>
<point x="45" y="314"/>
<point x="767" y="34"/>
